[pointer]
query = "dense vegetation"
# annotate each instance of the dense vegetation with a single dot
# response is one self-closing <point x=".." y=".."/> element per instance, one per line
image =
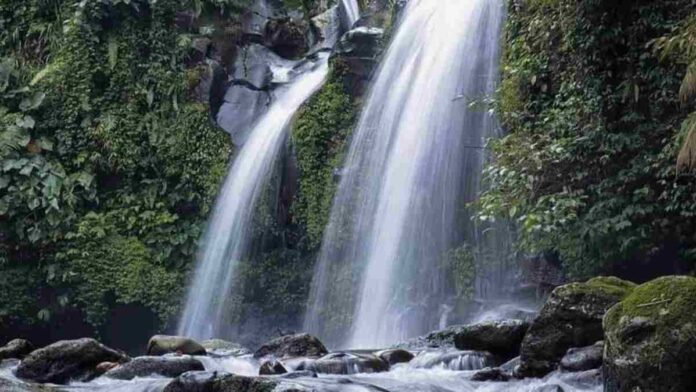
<point x="590" y="100"/>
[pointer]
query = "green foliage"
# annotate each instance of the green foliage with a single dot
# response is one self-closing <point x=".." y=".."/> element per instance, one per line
<point x="462" y="264"/>
<point x="108" y="165"/>
<point x="319" y="137"/>
<point x="587" y="169"/>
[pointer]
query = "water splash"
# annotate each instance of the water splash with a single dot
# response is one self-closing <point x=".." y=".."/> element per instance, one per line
<point x="414" y="162"/>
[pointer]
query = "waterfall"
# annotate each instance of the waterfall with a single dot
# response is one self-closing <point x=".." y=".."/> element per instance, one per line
<point x="352" y="11"/>
<point x="226" y="240"/>
<point x="414" y="162"/>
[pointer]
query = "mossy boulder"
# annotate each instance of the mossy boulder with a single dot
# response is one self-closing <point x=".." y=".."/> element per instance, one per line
<point x="501" y="338"/>
<point x="164" y="344"/>
<point x="650" y="341"/>
<point x="572" y="317"/>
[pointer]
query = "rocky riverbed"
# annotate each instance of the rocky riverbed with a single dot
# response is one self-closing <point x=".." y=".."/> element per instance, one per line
<point x="604" y="334"/>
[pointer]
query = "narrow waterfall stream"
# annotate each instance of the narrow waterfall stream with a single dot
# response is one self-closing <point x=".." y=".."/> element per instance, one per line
<point x="415" y="160"/>
<point x="226" y="240"/>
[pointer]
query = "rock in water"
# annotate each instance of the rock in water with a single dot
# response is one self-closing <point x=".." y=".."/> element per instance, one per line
<point x="394" y="356"/>
<point x="18" y="348"/>
<point x="490" y="374"/>
<point x="231" y="348"/>
<point x="163" y="344"/>
<point x="651" y="338"/>
<point x="272" y="367"/>
<point x="147" y="366"/>
<point x="584" y="358"/>
<point x="292" y="346"/>
<point x="502" y="338"/>
<point x="67" y="360"/>
<point x="572" y="317"/>
<point x="346" y="363"/>
<point x="213" y="382"/>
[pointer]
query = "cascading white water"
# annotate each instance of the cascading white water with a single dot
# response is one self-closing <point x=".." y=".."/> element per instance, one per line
<point x="227" y="236"/>
<point x="414" y="162"/>
<point x="352" y="11"/>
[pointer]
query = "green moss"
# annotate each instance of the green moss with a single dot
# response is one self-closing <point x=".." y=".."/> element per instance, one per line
<point x="319" y="137"/>
<point x="612" y="285"/>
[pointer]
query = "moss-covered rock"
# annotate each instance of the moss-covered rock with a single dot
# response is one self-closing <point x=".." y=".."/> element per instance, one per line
<point x="572" y="317"/>
<point x="651" y="338"/>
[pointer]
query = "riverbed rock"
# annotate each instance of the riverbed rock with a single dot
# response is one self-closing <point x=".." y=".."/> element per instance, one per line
<point x="162" y="366"/>
<point x="502" y="338"/>
<point x="571" y="317"/>
<point x="394" y="356"/>
<point x="583" y="358"/>
<point x="651" y="338"/>
<point x="17" y="348"/>
<point x="164" y="344"/>
<point x="491" y="374"/>
<point x="292" y="346"/>
<point x="67" y="360"/>
<point x="272" y="367"/>
<point x="287" y="37"/>
<point x="214" y="382"/>
<point x="228" y="348"/>
<point x="346" y="363"/>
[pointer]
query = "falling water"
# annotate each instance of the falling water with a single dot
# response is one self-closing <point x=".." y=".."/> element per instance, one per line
<point x="414" y="162"/>
<point x="227" y="236"/>
<point x="352" y="11"/>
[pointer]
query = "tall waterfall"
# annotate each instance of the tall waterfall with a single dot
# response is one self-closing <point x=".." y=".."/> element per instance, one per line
<point x="415" y="161"/>
<point x="227" y="236"/>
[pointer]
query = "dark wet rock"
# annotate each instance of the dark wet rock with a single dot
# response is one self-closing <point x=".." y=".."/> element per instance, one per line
<point x="299" y="374"/>
<point x="453" y="359"/>
<point x="583" y="358"/>
<point x="572" y="317"/>
<point x="213" y="382"/>
<point x="164" y="344"/>
<point x="286" y="37"/>
<point x="365" y="42"/>
<point x="650" y="342"/>
<point x="357" y="55"/>
<point x="502" y="338"/>
<point x="228" y="348"/>
<point x="346" y="363"/>
<point x="67" y="360"/>
<point x="147" y="366"/>
<point x="290" y="346"/>
<point x="241" y="107"/>
<point x="394" y="356"/>
<point x="491" y="374"/>
<point x="272" y="367"/>
<point x="17" y="348"/>
<point x="253" y="65"/>
<point x="549" y="388"/>
<point x="510" y="365"/>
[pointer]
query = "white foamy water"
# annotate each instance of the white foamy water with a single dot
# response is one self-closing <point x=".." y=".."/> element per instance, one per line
<point x="413" y="163"/>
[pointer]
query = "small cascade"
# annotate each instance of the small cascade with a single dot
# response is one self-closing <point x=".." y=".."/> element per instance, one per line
<point x="352" y="11"/>
<point x="450" y="359"/>
<point x="226" y="240"/>
<point x="414" y="162"/>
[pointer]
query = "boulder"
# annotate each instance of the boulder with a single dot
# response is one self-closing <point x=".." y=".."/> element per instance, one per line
<point x="67" y="360"/>
<point x="650" y="342"/>
<point x="229" y="348"/>
<point x="365" y="42"/>
<point x="583" y="358"/>
<point x="214" y="382"/>
<point x="241" y="106"/>
<point x="286" y="37"/>
<point x="346" y="363"/>
<point x="292" y="346"/>
<point x="253" y="65"/>
<point x="502" y="338"/>
<point x="394" y="356"/>
<point x="571" y="317"/>
<point x="18" y="348"/>
<point x="272" y="367"/>
<point x="490" y="374"/>
<point x="163" y="344"/>
<point x="146" y="366"/>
